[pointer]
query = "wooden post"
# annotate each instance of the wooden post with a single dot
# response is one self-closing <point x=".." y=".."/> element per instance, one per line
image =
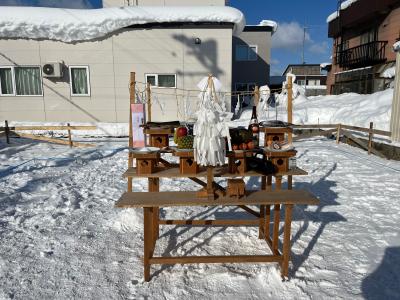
<point x="277" y="211"/>
<point x="148" y="93"/>
<point x="290" y="106"/>
<point x="7" y="130"/>
<point x="154" y="186"/>
<point x="261" y="229"/>
<point x="370" y="136"/>
<point x="131" y="101"/>
<point x="148" y="241"/>
<point x="256" y="95"/>
<point x="210" y="182"/>
<point x="338" y="133"/>
<point x="69" y="136"/>
<point x="286" y="240"/>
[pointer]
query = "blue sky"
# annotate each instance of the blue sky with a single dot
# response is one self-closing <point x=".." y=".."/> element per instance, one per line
<point x="291" y="15"/>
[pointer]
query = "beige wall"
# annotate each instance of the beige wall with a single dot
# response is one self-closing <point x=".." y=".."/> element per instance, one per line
<point x="110" y="62"/>
<point x="111" y="3"/>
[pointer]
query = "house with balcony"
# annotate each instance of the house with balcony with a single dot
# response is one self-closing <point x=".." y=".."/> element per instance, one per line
<point x="362" y="32"/>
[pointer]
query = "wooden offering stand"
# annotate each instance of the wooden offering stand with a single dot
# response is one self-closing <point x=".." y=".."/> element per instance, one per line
<point x="237" y="161"/>
<point x="280" y="159"/>
<point x="187" y="165"/>
<point x="275" y="134"/>
<point x="159" y="136"/>
<point x="146" y="163"/>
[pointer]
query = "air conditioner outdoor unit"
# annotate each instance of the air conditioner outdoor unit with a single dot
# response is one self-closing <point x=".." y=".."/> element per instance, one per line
<point x="52" y="69"/>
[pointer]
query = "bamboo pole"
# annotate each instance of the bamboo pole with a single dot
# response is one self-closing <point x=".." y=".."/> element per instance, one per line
<point x="256" y="95"/>
<point x="7" y="130"/>
<point x="148" y="93"/>
<point x="131" y="101"/>
<point x="290" y="106"/>
<point x="370" y="136"/>
<point x="69" y="136"/>
<point x="338" y="133"/>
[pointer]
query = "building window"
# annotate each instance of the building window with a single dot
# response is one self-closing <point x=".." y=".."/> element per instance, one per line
<point x="7" y="81"/>
<point x="301" y="82"/>
<point x="246" y="52"/>
<point x="314" y="82"/>
<point x="245" y="87"/>
<point x="20" y="81"/>
<point x="161" y="80"/>
<point x="79" y="80"/>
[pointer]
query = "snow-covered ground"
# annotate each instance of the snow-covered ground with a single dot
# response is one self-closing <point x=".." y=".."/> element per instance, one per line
<point x="61" y="237"/>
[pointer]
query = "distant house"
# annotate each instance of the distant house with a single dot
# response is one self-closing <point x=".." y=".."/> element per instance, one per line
<point x="363" y="32"/>
<point x="308" y="76"/>
<point x="89" y="78"/>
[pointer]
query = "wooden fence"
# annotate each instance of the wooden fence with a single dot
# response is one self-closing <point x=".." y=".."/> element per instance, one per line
<point x="7" y="131"/>
<point x="346" y="130"/>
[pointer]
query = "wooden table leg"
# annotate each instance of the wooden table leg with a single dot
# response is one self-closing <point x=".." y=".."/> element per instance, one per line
<point x="286" y="240"/>
<point x="261" y="229"/>
<point x="148" y="240"/>
<point x="277" y="211"/>
<point x="154" y="186"/>
<point x="269" y="183"/>
<point x="290" y="182"/>
<point x="267" y="220"/>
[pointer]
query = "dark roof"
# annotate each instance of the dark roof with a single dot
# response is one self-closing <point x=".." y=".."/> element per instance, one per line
<point x="180" y="24"/>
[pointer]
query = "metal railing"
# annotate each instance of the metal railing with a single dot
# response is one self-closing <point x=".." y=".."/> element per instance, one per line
<point x="362" y="56"/>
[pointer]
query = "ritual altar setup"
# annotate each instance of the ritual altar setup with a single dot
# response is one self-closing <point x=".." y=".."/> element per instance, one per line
<point x="207" y="150"/>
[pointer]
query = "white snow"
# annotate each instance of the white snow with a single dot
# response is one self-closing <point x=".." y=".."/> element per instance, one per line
<point x="389" y="73"/>
<point x="324" y="65"/>
<point x="343" y="6"/>
<point x="349" y="108"/>
<point x="396" y="46"/>
<point x="73" y="25"/>
<point x="61" y="237"/>
<point x="270" y="23"/>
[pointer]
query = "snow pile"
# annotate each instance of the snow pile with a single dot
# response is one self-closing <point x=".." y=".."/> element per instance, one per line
<point x="73" y="25"/>
<point x="343" y="6"/>
<point x="389" y="73"/>
<point x="270" y="23"/>
<point x="396" y="46"/>
<point x="350" y="109"/>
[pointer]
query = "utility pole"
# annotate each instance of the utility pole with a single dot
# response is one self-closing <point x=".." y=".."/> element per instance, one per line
<point x="304" y="44"/>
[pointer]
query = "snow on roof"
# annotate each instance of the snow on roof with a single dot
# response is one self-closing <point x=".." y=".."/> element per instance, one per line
<point x="396" y="46"/>
<point x="324" y="65"/>
<point x="389" y="73"/>
<point x="270" y="23"/>
<point x="73" y="25"/>
<point x="343" y="6"/>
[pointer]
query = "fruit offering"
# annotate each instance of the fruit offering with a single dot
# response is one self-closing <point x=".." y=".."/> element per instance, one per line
<point x="185" y="142"/>
<point x="242" y="139"/>
<point x="180" y="132"/>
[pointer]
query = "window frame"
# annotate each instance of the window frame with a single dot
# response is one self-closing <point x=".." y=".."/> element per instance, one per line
<point x="156" y="80"/>
<point x="247" y="86"/>
<point x="12" y="80"/>
<point x="15" y="94"/>
<point x="248" y="52"/>
<point x="87" y="80"/>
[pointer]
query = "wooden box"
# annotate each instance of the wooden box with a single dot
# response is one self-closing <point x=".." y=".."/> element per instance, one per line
<point x="236" y="188"/>
<point x="159" y="137"/>
<point x="159" y="140"/>
<point x="187" y="165"/>
<point x="280" y="159"/>
<point x="275" y="134"/>
<point x="146" y="163"/>
<point x="237" y="161"/>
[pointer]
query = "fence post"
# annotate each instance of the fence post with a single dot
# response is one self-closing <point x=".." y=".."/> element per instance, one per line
<point x="132" y="91"/>
<point x="338" y="134"/>
<point x="69" y="136"/>
<point x="370" y="136"/>
<point x="289" y="106"/>
<point x="7" y="130"/>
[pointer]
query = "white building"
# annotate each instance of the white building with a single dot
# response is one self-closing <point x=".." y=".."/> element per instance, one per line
<point x="97" y="49"/>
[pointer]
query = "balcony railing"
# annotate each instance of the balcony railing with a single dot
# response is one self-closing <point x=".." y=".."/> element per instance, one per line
<point x="362" y="56"/>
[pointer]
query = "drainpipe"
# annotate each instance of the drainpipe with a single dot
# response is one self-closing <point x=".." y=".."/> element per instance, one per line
<point x="395" y="118"/>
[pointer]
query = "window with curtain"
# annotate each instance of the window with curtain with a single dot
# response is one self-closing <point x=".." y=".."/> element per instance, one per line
<point x="6" y="81"/>
<point x="79" y="81"/>
<point x="28" y="81"/>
